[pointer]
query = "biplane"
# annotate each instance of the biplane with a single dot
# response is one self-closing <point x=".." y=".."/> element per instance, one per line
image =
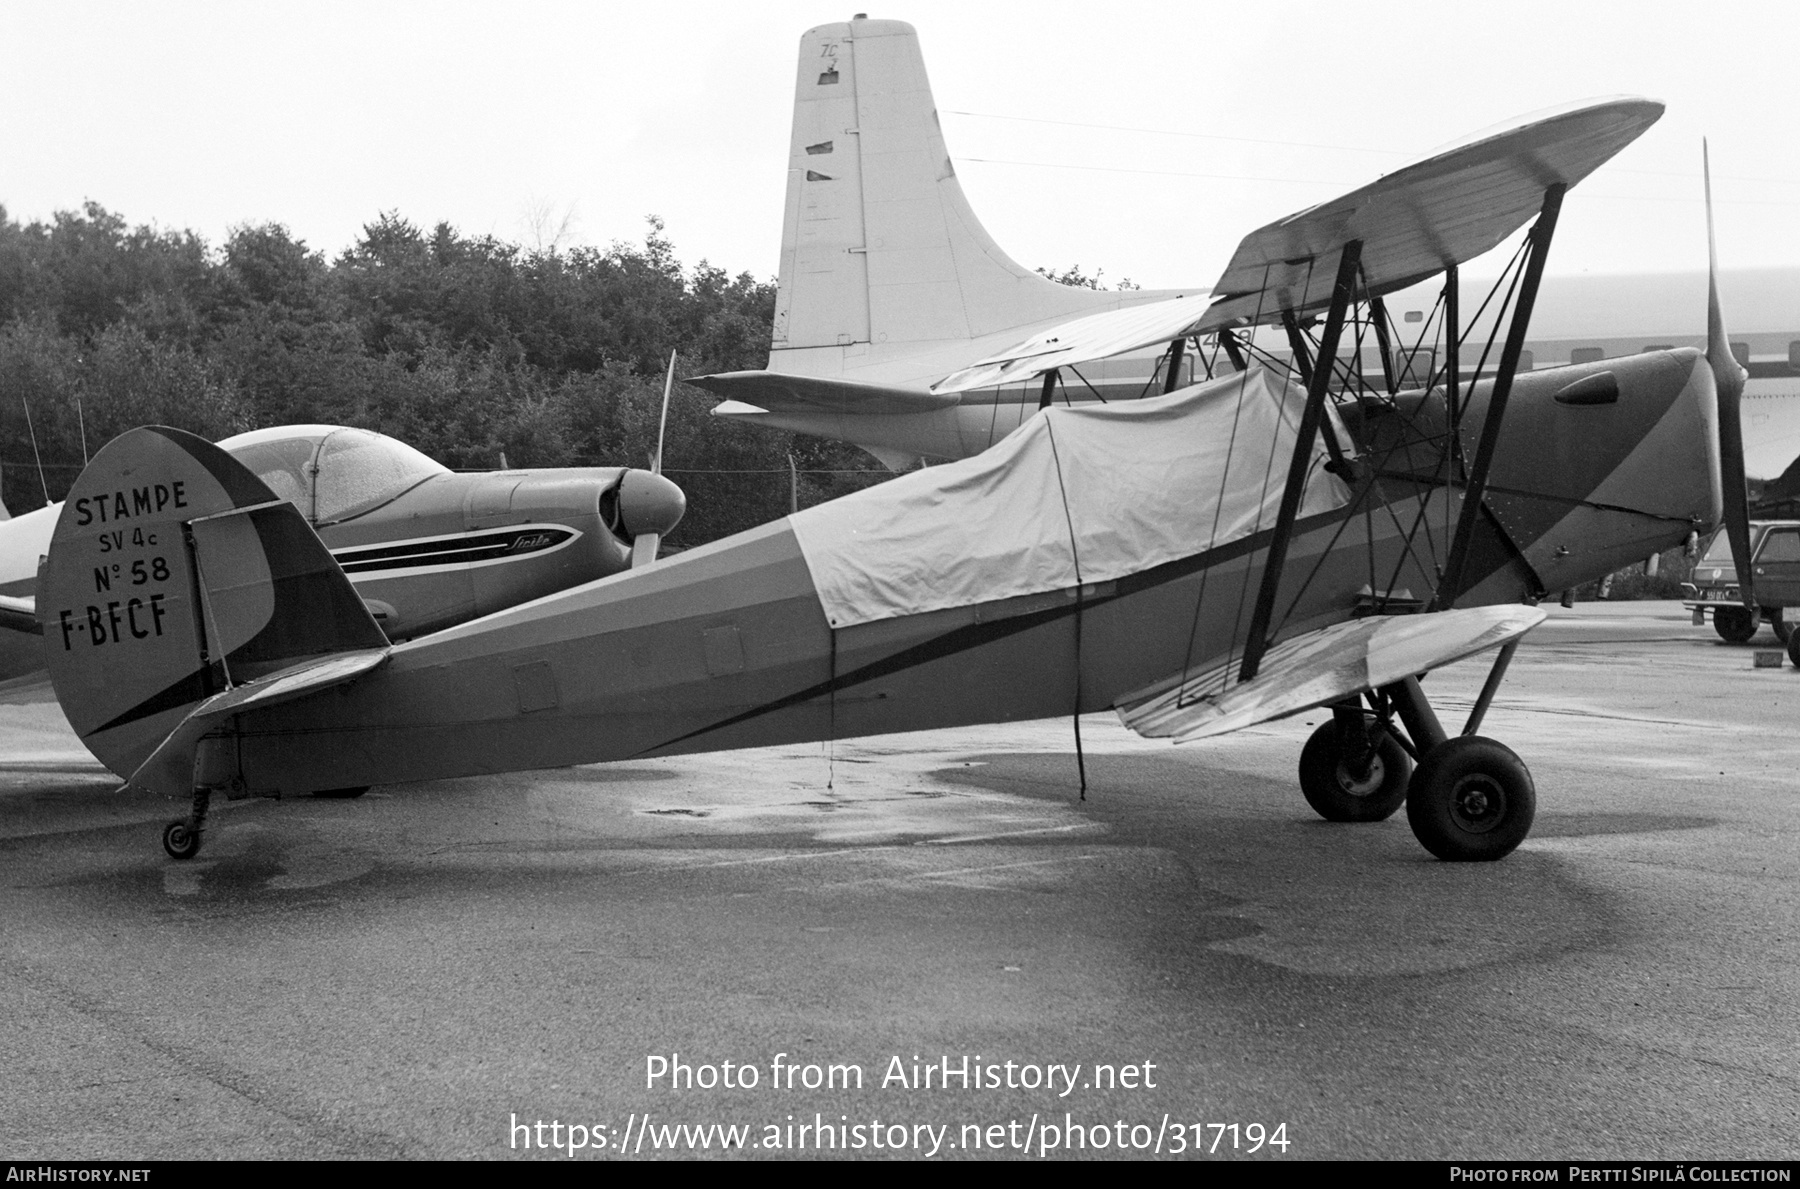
<point x="1230" y="551"/>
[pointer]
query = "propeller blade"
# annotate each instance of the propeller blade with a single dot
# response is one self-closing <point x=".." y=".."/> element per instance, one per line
<point x="663" y="423"/>
<point x="643" y="549"/>
<point x="1728" y="378"/>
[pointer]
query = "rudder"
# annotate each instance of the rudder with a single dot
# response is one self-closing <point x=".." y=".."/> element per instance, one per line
<point x="173" y="574"/>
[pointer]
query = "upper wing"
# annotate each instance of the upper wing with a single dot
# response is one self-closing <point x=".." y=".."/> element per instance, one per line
<point x="1449" y="207"/>
<point x="781" y="393"/>
<point x="1321" y="667"/>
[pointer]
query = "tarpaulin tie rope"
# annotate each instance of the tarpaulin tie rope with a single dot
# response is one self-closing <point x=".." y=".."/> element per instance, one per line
<point x="1075" y="556"/>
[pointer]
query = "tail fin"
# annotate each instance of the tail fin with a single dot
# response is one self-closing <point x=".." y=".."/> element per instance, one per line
<point x="878" y="243"/>
<point x="173" y="574"/>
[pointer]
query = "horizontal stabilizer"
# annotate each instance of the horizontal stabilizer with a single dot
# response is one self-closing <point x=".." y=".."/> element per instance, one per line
<point x="1320" y="667"/>
<point x="170" y="768"/>
<point x="1097" y="336"/>
<point x="19" y="614"/>
<point x="776" y="392"/>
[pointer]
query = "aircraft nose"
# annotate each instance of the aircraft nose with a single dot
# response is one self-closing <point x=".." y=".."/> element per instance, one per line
<point x="1673" y="471"/>
<point x="649" y="504"/>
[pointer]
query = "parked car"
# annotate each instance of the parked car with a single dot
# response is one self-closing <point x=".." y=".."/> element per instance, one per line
<point x="1775" y="565"/>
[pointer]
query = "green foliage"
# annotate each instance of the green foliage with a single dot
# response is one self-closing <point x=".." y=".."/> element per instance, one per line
<point x="1075" y="278"/>
<point x="469" y="348"/>
<point x="1633" y="582"/>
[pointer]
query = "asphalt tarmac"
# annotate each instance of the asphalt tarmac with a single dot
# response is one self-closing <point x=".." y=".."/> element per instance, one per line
<point x="432" y="970"/>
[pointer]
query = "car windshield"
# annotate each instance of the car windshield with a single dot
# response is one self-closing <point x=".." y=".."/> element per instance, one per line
<point x="1720" y="549"/>
<point x="332" y="472"/>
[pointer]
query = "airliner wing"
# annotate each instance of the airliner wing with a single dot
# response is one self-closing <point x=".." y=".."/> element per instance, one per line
<point x="776" y="392"/>
<point x="1446" y="208"/>
<point x="1320" y="667"/>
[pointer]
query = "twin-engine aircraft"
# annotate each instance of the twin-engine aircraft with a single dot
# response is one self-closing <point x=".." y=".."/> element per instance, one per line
<point x="1234" y="550"/>
<point x="424" y="547"/>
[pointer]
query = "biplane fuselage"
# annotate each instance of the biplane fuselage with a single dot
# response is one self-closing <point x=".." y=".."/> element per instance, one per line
<point x="726" y="646"/>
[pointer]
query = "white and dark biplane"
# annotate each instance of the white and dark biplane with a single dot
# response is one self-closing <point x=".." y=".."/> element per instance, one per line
<point x="423" y="546"/>
<point x="1230" y="551"/>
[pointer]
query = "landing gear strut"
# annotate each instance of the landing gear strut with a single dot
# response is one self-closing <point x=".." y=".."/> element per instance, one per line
<point x="182" y="839"/>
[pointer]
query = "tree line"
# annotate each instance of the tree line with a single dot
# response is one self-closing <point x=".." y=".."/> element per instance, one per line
<point x="470" y="348"/>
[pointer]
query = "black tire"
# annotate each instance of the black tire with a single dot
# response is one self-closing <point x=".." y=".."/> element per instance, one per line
<point x="342" y="794"/>
<point x="1793" y="648"/>
<point x="1338" y="794"/>
<point x="1471" y="800"/>
<point x="1734" y="624"/>
<point x="179" y="841"/>
<point x="1784" y="631"/>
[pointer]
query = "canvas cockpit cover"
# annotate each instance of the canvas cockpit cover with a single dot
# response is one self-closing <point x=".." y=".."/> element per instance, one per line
<point x="1146" y="482"/>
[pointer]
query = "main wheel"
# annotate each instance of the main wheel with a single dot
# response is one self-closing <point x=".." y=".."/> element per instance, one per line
<point x="179" y="841"/>
<point x="1734" y="624"/>
<point x="342" y="794"/>
<point x="1471" y="800"/>
<point x="1341" y="794"/>
<point x="1784" y="631"/>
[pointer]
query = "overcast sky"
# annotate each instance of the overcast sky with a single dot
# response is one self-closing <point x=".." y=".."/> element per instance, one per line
<point x="507" y="118"/>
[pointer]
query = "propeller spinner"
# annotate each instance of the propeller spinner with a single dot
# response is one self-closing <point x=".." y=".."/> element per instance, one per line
<point x="1728" y="378"/>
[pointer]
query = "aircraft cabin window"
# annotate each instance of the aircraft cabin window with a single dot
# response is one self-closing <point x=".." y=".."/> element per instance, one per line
<point x="1415" y="315"/>
<point x="359" y="471"/>
<point x="331" y="472"/>
<point x="1587" y="355"/>
<point x="1780" y="546"/>
<point x="282" y="464"/>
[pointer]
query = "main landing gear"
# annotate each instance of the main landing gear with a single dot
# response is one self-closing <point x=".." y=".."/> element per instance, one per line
<point x="1469" y="799"/>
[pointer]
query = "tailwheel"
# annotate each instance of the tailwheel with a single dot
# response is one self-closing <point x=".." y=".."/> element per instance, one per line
<point x="1471" y="800"/>
<point x="1341" y="788"/>
<point x="181" y="840"/>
